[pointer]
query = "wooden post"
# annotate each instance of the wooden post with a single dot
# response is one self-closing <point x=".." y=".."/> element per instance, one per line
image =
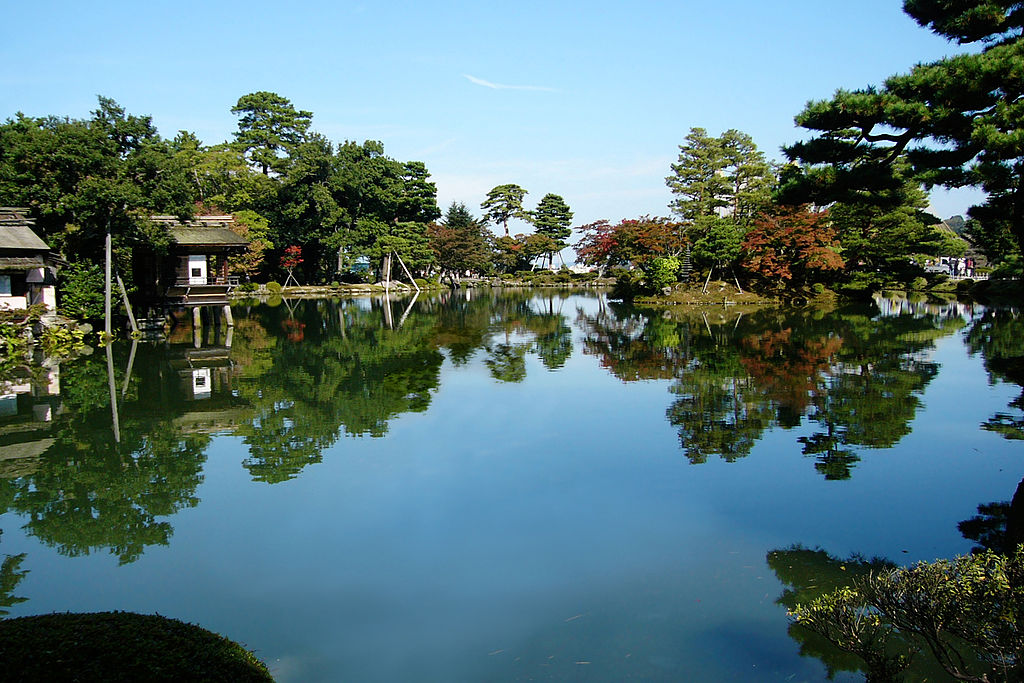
<point x="106" y="290"/>
<point x="127" y="305"/>
<point x="407" y="273"/>
<point x="113" y="391"/>
<point x="228" y="317"/>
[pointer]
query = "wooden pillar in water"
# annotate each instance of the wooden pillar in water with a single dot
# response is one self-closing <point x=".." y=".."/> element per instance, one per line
<point x="228" y="317"/>
<point x="197" y="326"/>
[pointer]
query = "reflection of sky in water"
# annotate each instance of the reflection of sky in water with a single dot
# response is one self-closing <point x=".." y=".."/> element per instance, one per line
<point x="550" y="528"/>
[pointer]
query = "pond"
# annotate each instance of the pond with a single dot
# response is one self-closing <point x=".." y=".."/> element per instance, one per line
<point x="529" y="485"/>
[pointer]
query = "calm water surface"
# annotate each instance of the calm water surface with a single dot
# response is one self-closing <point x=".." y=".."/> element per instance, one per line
<point x="518" y="487"/>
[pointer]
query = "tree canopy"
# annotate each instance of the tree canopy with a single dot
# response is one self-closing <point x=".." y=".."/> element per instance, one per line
<point x="954" y="122"/>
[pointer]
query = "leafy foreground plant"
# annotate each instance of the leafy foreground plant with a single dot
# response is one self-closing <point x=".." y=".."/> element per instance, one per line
<point x="120" y="646"/>
<point x="966" y="613"/>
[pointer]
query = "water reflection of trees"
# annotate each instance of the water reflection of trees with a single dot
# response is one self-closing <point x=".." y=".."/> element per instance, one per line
<point x="998" y="526"/>
<point x="855" y="374"/>
<point x="87" y="491"/>
<point x="357" y="365"/>
<point x="997" y="336"/>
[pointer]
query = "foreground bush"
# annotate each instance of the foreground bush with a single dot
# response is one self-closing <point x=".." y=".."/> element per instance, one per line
<point x="120" y="646"/>
<point x="967" y="613"/>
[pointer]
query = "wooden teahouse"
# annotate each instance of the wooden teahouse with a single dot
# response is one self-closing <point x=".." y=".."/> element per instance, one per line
<point x="194" y="271"/>
<point x="28" y="268"/>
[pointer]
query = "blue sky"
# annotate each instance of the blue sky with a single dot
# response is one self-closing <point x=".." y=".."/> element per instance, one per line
<point x="588" y="100"/>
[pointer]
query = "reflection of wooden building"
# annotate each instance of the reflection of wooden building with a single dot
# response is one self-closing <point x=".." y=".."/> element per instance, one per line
<point x="194" y="272"/>
<point x="28" y="269"/>
<point x="28" y="406"/>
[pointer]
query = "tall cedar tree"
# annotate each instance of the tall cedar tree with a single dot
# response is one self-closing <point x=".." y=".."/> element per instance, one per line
<point x="552" y="219"/>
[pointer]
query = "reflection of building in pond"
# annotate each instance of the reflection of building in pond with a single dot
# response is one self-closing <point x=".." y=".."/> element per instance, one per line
<point x="200" y="381"/>
<point x="896" y="306"/>
<point x="28" y="407"/>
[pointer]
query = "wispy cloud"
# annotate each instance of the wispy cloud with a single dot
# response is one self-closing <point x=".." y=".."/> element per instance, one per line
<point x="502" y="86"/>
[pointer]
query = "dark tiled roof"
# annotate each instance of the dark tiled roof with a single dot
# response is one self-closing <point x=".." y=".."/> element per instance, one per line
<point x="201" y="235"/>
<point x="203" y="231"/>
<point x="20" y="237"/>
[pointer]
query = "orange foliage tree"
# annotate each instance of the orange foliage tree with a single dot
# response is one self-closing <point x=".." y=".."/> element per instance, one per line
<point x="630" y="242"/>
<point x="791" y="245"/>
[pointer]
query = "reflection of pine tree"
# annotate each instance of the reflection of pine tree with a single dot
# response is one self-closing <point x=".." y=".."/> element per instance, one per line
<point x="11" y="575"/>
<point x="348" y="373"/>
<point x="507" y="362"/>
<point x="832" y="461"/>
<point x="997" y="526"/>
<point x="996" y="336"/>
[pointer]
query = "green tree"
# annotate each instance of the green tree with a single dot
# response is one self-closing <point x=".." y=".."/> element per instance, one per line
<point x="513" y="254"/>
<point x="504" y="202"/>
<point x="751" y="177"/>
<point x="85" y="178"/>
<point x="269" y="128"/>
<point x="698" y="178"/>
<point x="552" y="219"/>
<point x="718" y="241"/>
<point x="715" y="176"/>
<point x="955" y="121"/>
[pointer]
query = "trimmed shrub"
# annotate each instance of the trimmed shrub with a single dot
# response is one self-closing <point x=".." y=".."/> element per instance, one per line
<point x="662" y="272"/>
<point x="274" y="287"/>
<point x="121" y="646"/>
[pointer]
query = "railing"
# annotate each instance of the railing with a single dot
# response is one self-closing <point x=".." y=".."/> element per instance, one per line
<point x="211" y="281"/>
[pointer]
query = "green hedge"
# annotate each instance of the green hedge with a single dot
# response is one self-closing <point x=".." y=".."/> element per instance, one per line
<point x="120" y="646"/>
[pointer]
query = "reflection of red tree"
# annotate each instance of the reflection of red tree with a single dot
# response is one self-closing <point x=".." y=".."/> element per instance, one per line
<point x="635" y="360"/>
<point x="295" y="329"/>
<point x="790" y="372"/>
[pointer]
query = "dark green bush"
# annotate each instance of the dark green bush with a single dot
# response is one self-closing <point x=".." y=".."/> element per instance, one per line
<point x="120" y="646"/>
<point x="81" y="291"/>
<point x="247" y="287"/>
